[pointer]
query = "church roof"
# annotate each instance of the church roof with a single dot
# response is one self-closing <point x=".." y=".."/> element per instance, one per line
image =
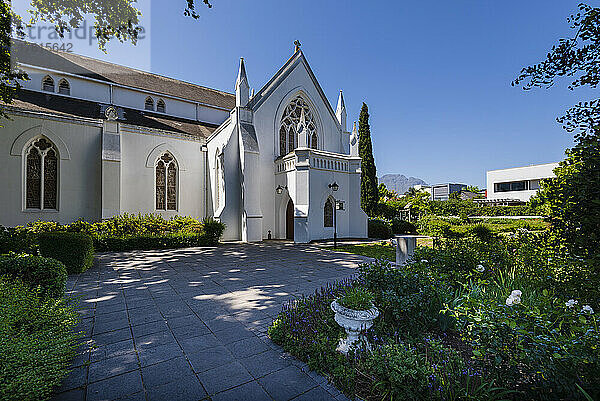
<point x="63" y="106"/>
<point x="35" y="55"/>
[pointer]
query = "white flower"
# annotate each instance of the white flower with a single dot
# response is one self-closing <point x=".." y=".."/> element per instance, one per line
<point x="587" y="309"/>
<point x="480" y="268"/>
<point x="514" y="298"/>
<point x="571" y="303"/>
<point x="424" y="261"/>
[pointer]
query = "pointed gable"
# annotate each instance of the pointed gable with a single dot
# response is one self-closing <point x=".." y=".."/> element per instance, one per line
<point x="288" y="68"/>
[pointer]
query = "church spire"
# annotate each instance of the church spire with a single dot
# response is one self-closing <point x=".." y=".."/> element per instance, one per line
<point x="242" y="89"/>
<point x="340" y="112"/>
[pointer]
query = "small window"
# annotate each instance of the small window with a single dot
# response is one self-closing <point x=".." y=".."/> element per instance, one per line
<point x="328" y="213"/>
<point x="48" y="84"/>
<point x="63" y="87"/>
<point x="160" y="106"/>
<point x="149" y="105"/>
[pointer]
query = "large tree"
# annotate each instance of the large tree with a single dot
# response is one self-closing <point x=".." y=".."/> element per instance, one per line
<point x="369" y="194"/>
<point x="572" y="199"/>
<point x="113" y="19"/>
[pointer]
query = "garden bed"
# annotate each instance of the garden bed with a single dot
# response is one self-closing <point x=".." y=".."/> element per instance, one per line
<point x="509" y="318"/>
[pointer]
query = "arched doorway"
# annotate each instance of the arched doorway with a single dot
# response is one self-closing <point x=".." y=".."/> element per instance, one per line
<point x="289" y="221"/>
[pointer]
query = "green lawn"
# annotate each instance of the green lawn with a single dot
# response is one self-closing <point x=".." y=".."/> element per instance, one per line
<point x="379" y="250"/>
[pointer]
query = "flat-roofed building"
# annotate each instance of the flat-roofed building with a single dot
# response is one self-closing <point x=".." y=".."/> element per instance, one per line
<point x="518" y="183"/>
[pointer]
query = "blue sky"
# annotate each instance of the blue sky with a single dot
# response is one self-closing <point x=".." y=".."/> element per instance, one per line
<point x="435" y="74"/>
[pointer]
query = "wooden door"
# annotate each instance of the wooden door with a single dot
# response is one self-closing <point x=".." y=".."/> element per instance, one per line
<point x="289" y="220"/>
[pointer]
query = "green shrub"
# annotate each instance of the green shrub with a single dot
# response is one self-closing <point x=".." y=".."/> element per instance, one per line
<point x="213" y="230"/>
<point x="409" y="302"/>
<point x="400" y="226"/>
<point x="149" y="242"/>
<point x="379" y="228"/>
<point x="539" y="345"/>
<point x="37" y="342"/>
<point x="49" y="275"/>
<point x="18" y="240"/>
<point x="481" y="231"/>
<point x="435" y="227"/>
<point x="357" y="299"/>
<point x="75" y="250"/>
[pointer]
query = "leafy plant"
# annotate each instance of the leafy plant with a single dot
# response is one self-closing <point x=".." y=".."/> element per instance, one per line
<point x="37" y="342"/>
<point x="379" y="228"/>
<point x="48" y="276"/>
<point x="356" y="299"/>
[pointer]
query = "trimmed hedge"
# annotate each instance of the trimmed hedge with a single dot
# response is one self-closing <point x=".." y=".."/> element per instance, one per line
<point x="37" y="342"/>
<point x="379" y="228"/>
<point x="149" y="242"/>
<point x="403" y="227"/>
<point x="49" y="275"/>
<point x="17" y="240"/>
<point x="75" y="250"/>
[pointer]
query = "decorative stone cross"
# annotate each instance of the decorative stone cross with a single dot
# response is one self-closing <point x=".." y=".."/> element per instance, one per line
<point x="297" y="44"/>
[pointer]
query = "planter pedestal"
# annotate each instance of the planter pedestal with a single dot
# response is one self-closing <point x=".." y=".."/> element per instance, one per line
<point x="354" y="322"/>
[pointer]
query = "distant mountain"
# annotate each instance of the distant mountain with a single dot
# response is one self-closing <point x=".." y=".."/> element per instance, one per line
<point x="399" y="182"/>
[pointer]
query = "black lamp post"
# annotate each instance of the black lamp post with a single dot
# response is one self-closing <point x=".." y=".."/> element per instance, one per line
<point x="334" y="187"/>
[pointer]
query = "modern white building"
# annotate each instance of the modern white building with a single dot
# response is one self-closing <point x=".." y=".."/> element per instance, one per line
<point x="89" y="139"/>
<point x="518" y="183"/>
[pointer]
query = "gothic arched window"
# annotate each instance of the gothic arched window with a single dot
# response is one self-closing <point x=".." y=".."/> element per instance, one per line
<point x="328" y="213"/>
<point x="166" y="183"/>
<point x="64" y="88"/>
<point x="160" y="106"/>
<point x="290" y="121"/>
<point x="149" y="105"/>
<point x="48" y="84"/>
<point x="41" y="175"/>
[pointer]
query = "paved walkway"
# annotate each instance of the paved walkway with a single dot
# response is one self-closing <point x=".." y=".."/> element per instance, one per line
<point x="191" y="324"/>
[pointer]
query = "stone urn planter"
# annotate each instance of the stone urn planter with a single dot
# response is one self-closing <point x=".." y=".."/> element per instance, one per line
<point x="354" y="322"/>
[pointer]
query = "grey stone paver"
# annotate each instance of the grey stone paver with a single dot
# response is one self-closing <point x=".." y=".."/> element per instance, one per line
<point x="191" y="324"/>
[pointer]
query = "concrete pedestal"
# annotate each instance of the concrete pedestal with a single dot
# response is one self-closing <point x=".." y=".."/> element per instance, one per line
<point x="405" y="247"/>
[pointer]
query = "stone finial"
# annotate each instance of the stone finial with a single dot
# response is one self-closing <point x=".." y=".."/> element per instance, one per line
<point x="297" y="44"/>
<point x="242" y="89"/>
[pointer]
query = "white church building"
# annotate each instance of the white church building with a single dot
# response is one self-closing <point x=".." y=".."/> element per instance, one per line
<point x="87" y="139"/>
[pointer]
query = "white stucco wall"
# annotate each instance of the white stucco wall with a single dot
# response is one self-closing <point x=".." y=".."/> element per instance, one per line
<point x="79" y="186"/>
<point x="139" y="151"/>
<point x="526" y="173"/>
<point x="80" y="88"/>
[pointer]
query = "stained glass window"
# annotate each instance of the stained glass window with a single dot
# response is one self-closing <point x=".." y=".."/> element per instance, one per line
<point x="41" y="175"/>
<point x="282" y="141"/>
<point x="289" y="125"/>
<point x="172" y="187"/>
<point x="50" y="179"/>
<point x="328" y="213"/>
<point x="166" y="183"/>
<point x="34" y="179"/>
<point x="160" y="185"/>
